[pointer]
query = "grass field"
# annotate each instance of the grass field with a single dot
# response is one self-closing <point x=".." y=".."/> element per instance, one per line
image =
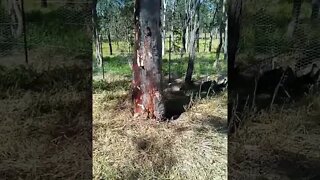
<point x="45" y="117"/>
<point x="194" y="146"/>
<point x="118" y="63"/>
<point x="279" y="144"/>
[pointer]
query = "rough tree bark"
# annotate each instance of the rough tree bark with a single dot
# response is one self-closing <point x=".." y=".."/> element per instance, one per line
<point x="146" y="85"/>
<point x="234" y="22"/>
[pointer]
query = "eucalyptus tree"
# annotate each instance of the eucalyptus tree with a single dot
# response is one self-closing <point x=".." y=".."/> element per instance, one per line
<point x="146" y="84"/>
<point x="193" y="24"/>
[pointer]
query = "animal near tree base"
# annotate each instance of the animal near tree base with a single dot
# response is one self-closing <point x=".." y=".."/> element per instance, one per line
<point x="146" y="84"/>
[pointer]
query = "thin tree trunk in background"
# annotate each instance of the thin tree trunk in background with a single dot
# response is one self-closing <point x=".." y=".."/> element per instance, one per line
<point x="192" y="42"/>
<point x="15" y="12"/>
<point x="212" y="28"/>
<point x="210" y="42"/>
<point x="218" y="51"/>
<point x="97" y="37"/>
<point x="205" y="42"/>
<point x="101" y="54"/>
<point x="110" y="42"/>
<point x="296" y="9"/>
<point x="171" y="28"/>
<point x="44" y="3"/>
<point x="315" y="9"/>
<point x="198" y="41"/>
<point x="147" y="78"/>
<point x="225" y="47"/>
<point x="163" y="23"/>
<point x="117" y="43"/>
<point x="221" y="34"/>
<point x="184" y="41"/>
<point x="198" y="33"/>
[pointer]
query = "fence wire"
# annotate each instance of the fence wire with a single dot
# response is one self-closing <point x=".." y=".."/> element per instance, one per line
<point x="273" y="35"/>
<point x="46" y="24"/>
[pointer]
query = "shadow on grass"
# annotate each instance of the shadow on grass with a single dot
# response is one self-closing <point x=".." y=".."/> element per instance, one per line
<point x="297" y="166"/>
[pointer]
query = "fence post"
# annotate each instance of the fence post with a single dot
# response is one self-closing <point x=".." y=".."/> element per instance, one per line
<point x="24" y="32"/>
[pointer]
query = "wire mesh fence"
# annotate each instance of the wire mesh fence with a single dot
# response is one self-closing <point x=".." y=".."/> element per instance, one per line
<point x="277" y="34"/>
<point x="30" y="27"/>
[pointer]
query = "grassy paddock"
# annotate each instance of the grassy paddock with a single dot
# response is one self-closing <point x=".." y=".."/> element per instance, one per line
<point x="44" y="122"/>
<point x="192" y="147"/>
<point x="285" y="139"/>
<point x="118" y="63"/>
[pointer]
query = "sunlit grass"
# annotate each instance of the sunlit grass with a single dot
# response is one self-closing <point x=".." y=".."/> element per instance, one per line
<point x="192" y="147"/>
<point x="118" y="63"/>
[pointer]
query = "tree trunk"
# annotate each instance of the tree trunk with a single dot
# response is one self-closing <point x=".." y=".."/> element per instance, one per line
<point x="184" y="41"/>
<point x="225" y="47"/>
<point x="163" y="23"/>
<point x="15" y="12"/>
<point x="97" y="37"/>
<point x="222" y="29"/>
<point x="234" y="21"/>
<point x="198" y="33"/>
<point x="44" y="3"/>
<point x="210" y="42"/>
<point x="212" y="27"/>
<point x="295" y="18"/>
<point x="218" y="51"/>
<point x="192" y="55"/>
<point x="205" y="42"/>
<point x="146" y="84"/>
<point x="110" y="42"/>
<point x="198" y="41"/>
<point x="192" y="43"/>
<point x="315" y="9"/>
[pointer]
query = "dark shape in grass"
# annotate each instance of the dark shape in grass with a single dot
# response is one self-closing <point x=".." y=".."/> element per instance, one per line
<point x="175" y="104"/>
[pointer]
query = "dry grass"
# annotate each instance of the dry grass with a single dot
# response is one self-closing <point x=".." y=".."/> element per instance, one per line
<point x="192" y="147"/>
<point x="45" y="129"/>
<point x="281" y="144"/>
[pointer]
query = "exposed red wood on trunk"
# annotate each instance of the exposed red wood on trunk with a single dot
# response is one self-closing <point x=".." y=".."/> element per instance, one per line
<point x="136" y="81"/>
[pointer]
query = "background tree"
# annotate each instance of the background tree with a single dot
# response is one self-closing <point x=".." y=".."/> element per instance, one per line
<point x="15" y="12"/>
<point x="192" y="31"/>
